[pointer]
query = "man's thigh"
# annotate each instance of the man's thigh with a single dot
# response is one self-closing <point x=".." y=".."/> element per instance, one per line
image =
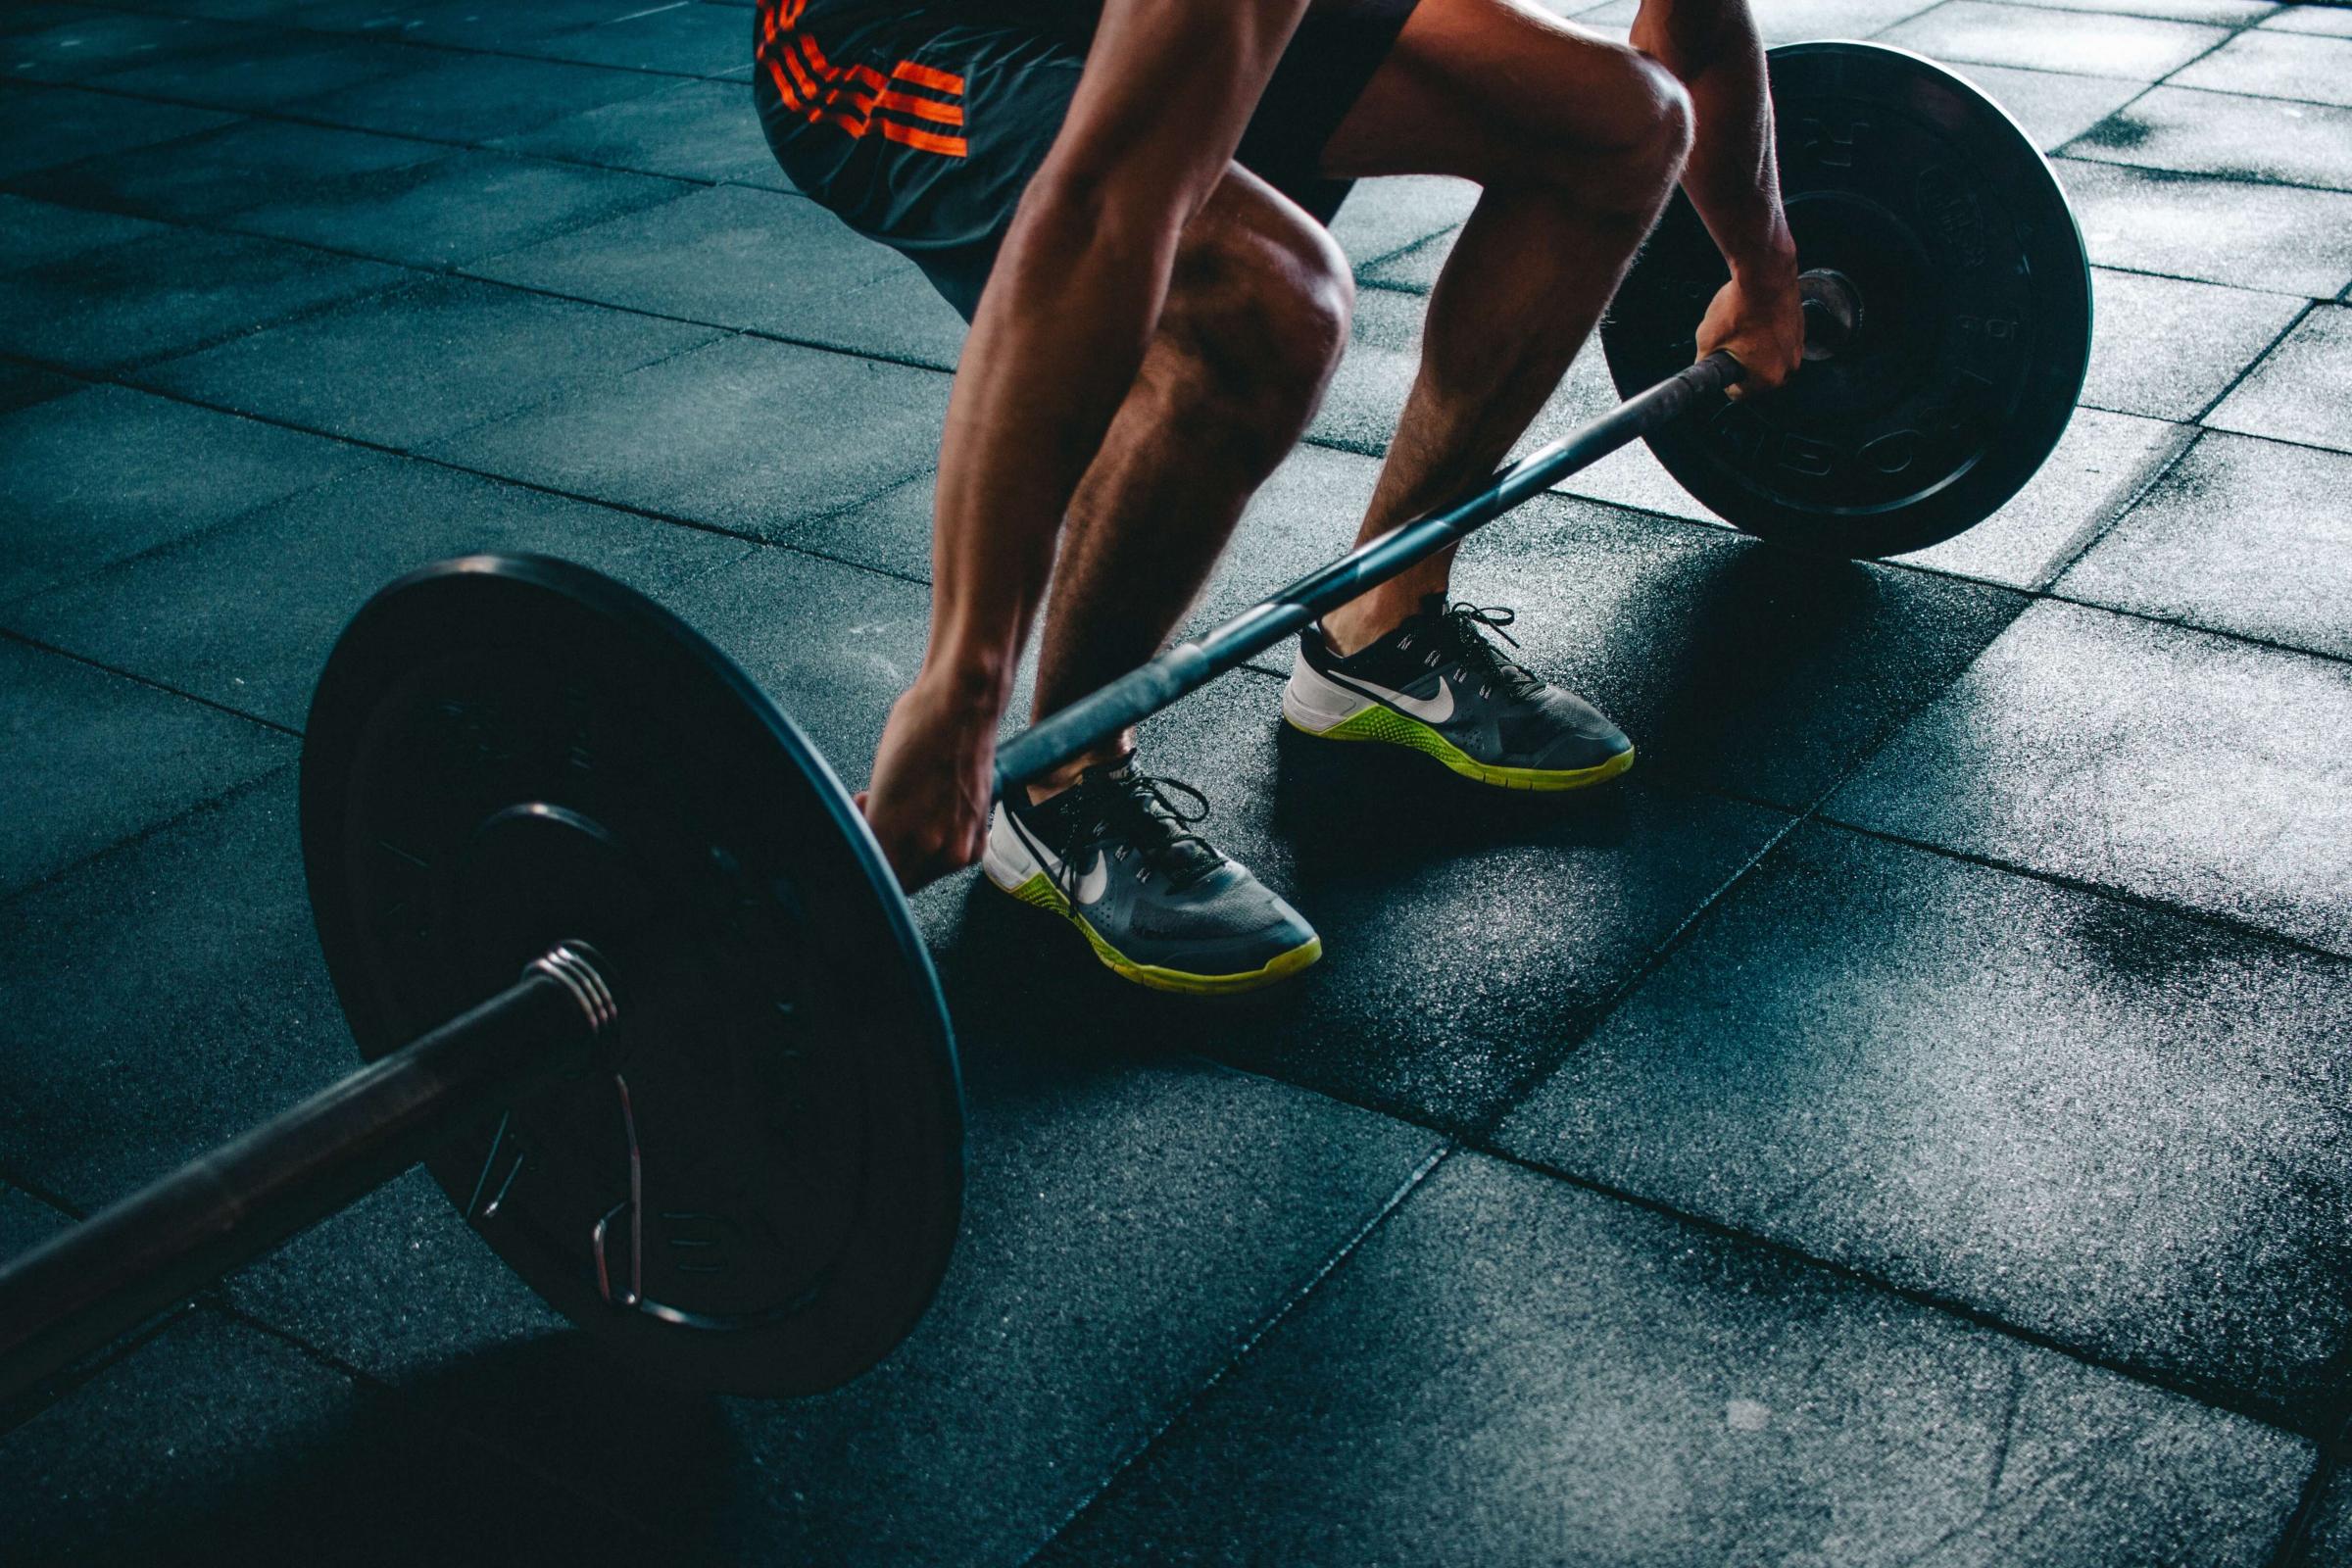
<point x="924" y="134"/>
<point x="1478" y="87"/>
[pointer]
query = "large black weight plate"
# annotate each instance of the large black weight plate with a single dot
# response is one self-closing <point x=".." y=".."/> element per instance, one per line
<point x="1974" y="325"/>
<point x="759" y="1192"/>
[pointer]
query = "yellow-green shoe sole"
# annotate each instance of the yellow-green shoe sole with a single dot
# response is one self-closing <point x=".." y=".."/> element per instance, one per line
<point x="1040" y="891"/>
<point x="1389" y="727"/>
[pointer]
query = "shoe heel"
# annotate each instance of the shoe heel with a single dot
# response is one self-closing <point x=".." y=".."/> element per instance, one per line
<point x="1318" y="705"/>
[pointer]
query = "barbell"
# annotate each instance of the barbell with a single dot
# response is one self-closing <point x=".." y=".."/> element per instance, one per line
<point x="710" y="1110"/>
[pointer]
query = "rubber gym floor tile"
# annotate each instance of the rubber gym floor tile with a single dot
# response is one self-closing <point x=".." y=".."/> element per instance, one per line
<point x="2224" y="134"/>
<point x="2245" y="536"/>
<point x="24" y="1221"/>
<point x="2297" y="392"/>
<point x="244" y="615"/>
<point x="2303" y="18"/>
<point x="2282" y="239"/>
<point x="2132" y="48"/>
<point x="475" y="97"/>
<point x="2328" y="1541"/>
<point x="2182" y="766"/>
<point x="93" y="41"/>
<point x="2100" y="464"/>
<point x="42" y="128"/>
<point x="2219" y="13"/>
<point x="151" y="299"/>
<point x="692" y="130"/>
<point x="454" y="210"/>
<point x="728" y="255"/>
<point x="682" y="36"/>
<point x="92" y="758"/>
<point x="467" y="24"/>
<point x="202" y="179"/>
<point x="101" y="474"/>
<point x="416" y="365"/>
<point x="743" y="434"/>
<point x="1126" y="1228"/>
<point x="1732" y="665"/>
<point x="1795" y="20"/>
<point x="2280" y="65"/>
<point x="1382" y="217"/>
<point x="33" y="232"/>
<point x="266" y="69"/>
<point x="2167" y="348"/>
<point x="834" y="645"/>
<point x="2054" y="107"/>
<point x="2121" y="1130"/>
<point x="165" y="995"/>
<point x="217" y="1442"/>
<point x="1470" y="936"/>
<point x="1512" y="1370"/>
<point x="22" y="385"/>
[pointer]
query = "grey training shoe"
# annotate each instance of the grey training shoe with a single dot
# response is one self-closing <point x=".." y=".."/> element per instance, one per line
<point x="1437" y="685"/>
<point x="1116" y="856"/>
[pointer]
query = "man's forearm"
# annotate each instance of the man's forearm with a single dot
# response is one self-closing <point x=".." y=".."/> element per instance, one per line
<point x="1713" y="47"/>
<point x="1058" y="338"/>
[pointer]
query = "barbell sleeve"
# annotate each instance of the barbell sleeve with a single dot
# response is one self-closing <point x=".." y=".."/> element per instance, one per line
<point x="1194" y="664"/>
<point x="228" y="1206"/>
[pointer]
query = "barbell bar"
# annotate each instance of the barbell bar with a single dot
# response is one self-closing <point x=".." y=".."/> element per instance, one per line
<point x="717" y="1121"/>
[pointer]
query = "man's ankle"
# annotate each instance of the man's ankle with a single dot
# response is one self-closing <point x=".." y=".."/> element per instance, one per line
<point x="1353" y="627"/>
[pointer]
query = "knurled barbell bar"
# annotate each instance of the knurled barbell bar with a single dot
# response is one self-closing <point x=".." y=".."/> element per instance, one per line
<point x="717" y="1120"/>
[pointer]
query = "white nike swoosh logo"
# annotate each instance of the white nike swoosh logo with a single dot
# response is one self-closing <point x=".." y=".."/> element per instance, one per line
<point x="1429" y="710"/>
<point x="1090" y="886"/>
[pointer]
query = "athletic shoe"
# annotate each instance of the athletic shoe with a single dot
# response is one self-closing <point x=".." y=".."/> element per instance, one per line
<point x="1438" y="685"/>
<point x="1115" y="853"/>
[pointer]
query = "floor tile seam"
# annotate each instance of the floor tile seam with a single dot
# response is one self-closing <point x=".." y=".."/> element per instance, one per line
<point x="215" y="1300"/>
<point x="435" y="47"/>
<point x="141" y="835"/>
<point x="2245" y="372"/>
<point x="2244" y="180"/>
<point x="2211" y="1394"/>
<point x="602" y="503"/>
<point x="2162" y="276"/>
<point x="429" y="272"/>
<point x="2167" y="82"/>
<point x="280" y="116"/>
<point x="2106" y="891"/>
<point x="56" y="1389"/>
<point x="1136" y="1451"/>
<point x="223" y="225"/>
<point x="42" y="1194"/>
<point x="2088" y="536"/>
<point x="1589" y="1021"/>
<point x="2190" y="623"/>
<point x="165" y="688"/>
<point x="290" y="318"/>
<point x="2297" y="1531"/>
<point x="2234" y="28"/>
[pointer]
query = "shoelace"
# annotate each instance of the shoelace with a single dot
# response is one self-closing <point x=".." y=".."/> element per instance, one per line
<point x="1468" y="623"/>
<point x="1155" y="826"/>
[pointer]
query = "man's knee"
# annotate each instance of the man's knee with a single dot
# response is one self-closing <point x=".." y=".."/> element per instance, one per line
<point x="1622" y="145"/>
<point x="1263" y="311"/>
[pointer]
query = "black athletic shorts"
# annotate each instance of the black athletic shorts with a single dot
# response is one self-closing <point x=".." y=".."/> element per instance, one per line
<point x="922" y="124"/>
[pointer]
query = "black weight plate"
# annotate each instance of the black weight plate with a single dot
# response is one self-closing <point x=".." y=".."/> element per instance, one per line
<point x="1974" y="327"/>
<point x="758" y="1193"/>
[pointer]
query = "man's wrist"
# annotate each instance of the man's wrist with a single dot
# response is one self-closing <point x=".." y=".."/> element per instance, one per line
<point x="1771" y="264"/>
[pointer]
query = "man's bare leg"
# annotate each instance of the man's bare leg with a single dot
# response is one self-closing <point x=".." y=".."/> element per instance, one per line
<point x="1577" y="143"/>
<point x="1255" y="322"/>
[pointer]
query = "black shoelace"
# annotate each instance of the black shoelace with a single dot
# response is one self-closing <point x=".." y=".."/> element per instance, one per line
<point x="1468" y="625"/>
<point x="1135" y="807"/>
